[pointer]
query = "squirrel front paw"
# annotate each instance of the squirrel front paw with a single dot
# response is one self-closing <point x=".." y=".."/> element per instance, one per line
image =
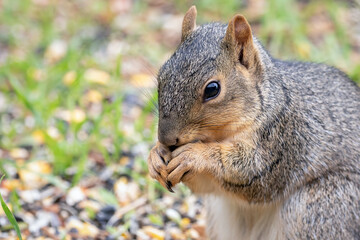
<point x="187" y="161"/>
<point x="159" y="157"/>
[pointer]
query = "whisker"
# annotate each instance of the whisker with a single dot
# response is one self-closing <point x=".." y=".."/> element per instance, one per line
<point x="151" y="98"/>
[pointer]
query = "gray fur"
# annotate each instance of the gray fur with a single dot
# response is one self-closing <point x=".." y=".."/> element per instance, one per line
<point x="307" y="137"/>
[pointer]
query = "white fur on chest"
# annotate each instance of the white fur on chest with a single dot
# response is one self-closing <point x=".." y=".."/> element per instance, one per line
<point x="232" y="219"/>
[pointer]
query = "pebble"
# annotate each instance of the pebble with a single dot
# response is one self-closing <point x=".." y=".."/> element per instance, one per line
<point x="190" y="206"/>
<point x="167" y="200"/>
<point x="106" y="173"/>
<point x="104" y="215"/>
<point x="192" y="234"/>
<point x="141" y="149"/>
<point x="134" y="225"/>
<point x="3" y="221"/>
<point x="43" y="219"/>
<point x="173" y="215"/>
<point x="28" y="218"/>
<point x="47" y="192"/>
<point x="126" y="191"/>
<point x="30" y="196"/>
<point x="141" y="235"/>
<point x="55" y="51"/>
<point x="75" y="195"/>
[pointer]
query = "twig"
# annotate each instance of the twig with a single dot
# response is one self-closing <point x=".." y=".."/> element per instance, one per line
<point x="120" y="212"/>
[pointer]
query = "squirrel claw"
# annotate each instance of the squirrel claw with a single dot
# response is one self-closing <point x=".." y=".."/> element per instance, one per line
<point x="169" y="185"/>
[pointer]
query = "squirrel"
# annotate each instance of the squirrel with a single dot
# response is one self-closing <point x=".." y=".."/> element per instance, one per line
<point x="272" y="146"/>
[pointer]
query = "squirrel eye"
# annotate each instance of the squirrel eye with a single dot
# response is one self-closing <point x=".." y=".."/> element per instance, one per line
<point x="212" y="90"/>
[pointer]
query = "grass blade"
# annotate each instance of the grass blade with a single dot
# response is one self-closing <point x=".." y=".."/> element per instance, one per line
<point x="9" y="215"/>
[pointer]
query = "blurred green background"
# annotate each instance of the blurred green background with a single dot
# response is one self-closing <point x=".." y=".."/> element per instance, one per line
<point x="78" y="78"/>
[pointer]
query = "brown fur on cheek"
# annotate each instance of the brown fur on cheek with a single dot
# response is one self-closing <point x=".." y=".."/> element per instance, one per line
<point x="218" y="120"/>
<point x="219" y="128"/>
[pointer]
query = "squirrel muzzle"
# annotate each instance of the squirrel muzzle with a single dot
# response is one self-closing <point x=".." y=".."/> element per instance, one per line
<point x="167" y="133"/>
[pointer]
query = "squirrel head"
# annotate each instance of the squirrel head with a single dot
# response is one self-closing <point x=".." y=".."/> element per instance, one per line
<point x="207" y="89"/>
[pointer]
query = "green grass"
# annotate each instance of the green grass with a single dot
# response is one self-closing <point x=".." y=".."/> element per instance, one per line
<point x="39" y="98"/>
<point x="287" y="33"/>
<point x="9" y="214"/>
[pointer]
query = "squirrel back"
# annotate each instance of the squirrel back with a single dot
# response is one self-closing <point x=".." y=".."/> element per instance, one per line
<point x="235" y="123"/>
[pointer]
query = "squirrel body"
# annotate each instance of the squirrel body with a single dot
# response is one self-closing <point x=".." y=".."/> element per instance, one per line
<point x="273" y="146"/>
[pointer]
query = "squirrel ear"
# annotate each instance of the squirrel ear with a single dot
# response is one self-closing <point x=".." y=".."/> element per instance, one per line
<point x="189" y="23"/>
<point x="239" y="40"/>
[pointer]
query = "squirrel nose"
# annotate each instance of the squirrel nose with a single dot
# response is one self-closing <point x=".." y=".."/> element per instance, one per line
<point x="168" y="139"/>
<point x="167" y="132"/>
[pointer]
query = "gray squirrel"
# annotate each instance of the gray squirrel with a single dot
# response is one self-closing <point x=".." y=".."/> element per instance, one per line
<point x="272" y="146"/>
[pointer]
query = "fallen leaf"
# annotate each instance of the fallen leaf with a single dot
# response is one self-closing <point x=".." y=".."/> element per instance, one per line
<point x="84" y="229"/>
<point x="93" y="96"/>
<point x="38" y="136"/>
<point x="185" y="222"/>
<point x="31" y="173"/>
<point x="11" y="184"/>
<point x="69" y="78"/>
<point x="143" y="80"/>
<point x="154" y="232"/>
<point x="19" y="153"/>
<point x="97" y="76"/>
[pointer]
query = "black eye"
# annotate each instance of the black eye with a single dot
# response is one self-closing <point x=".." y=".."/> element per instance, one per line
<point x="211" y="91"/>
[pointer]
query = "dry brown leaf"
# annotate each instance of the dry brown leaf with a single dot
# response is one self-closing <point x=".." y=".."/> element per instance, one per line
<point x="31" y="173"/>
